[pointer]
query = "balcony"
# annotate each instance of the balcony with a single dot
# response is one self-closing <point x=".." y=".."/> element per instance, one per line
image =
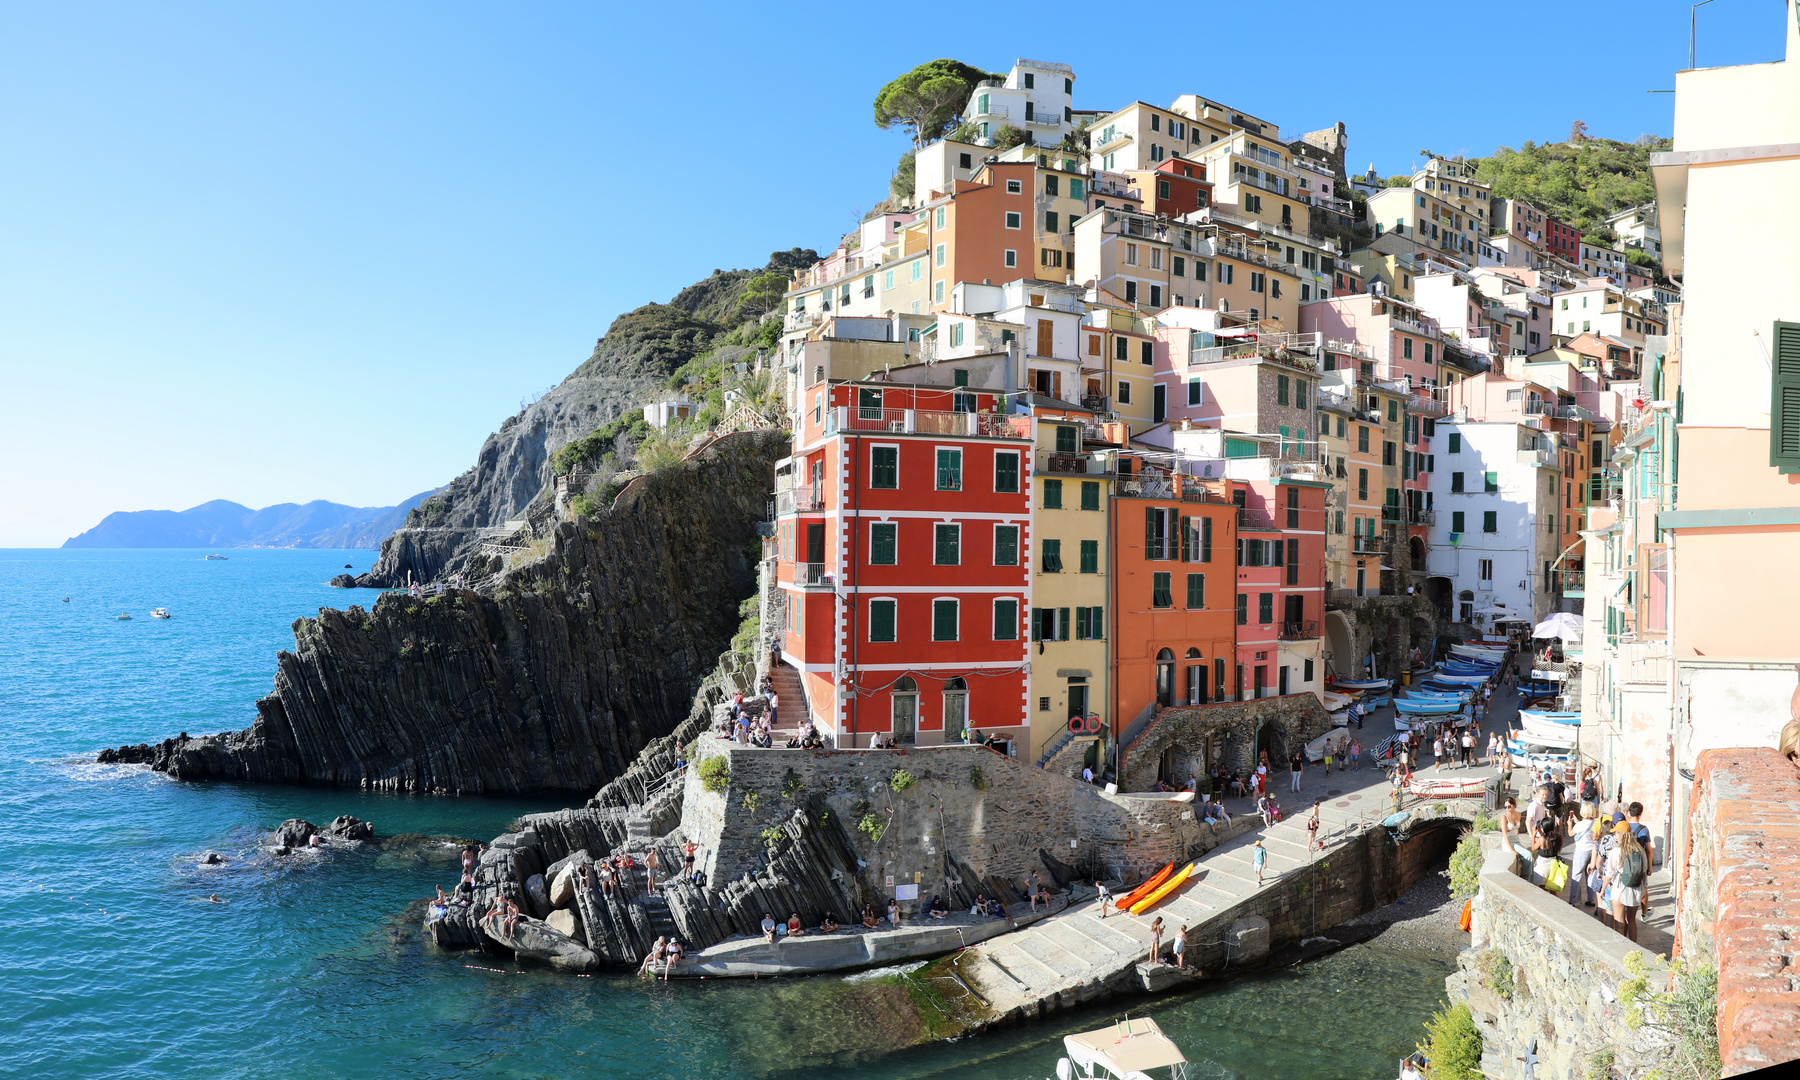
<point x="1036" y="118"/>
<point x="1194" y="493"/>
<point x="1368" y="545"/>
<point x="801" y="500"/>
<point x="998" y="112"/>
<point x="1603" y="488"/>
<point x="1426" y="406"/>
<point x="1096" y="402"/>
<point x="1146" y="487"/>
<point x="1394" y="514"/>
<point x="1421" y="517"/>
<point x="811" y="574"/>
<point x="1572" y="582"/>
<point x="1256" y="520"/>
<point x="844" y="418"/>
<point x="1066" y="463"/>
<point x="1299" y="631"/>
<point x="1543" y="457"/>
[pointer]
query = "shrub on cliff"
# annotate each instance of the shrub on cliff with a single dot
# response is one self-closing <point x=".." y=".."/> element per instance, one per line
<point x="1453" y="1045"/>
<point x="715" y="774"/>
<point x="1687" y="1013"/>
<point x="1465" y="861"/>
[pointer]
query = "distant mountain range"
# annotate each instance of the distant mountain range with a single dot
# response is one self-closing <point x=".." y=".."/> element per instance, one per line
<point x="222" y="523"/>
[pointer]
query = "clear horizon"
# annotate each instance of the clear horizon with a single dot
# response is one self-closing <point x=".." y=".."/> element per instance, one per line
<point x="278" y="255"/>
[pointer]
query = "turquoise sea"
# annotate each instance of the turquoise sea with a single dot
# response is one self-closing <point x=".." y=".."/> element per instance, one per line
<point x="115" y="966"/>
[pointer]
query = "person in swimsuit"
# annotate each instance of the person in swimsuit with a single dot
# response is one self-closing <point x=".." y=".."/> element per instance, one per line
<point x="650" y="871"/>
<point x="1312" y="827"/>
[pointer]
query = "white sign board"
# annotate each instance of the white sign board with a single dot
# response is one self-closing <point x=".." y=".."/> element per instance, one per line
<point x="906" y="892"/>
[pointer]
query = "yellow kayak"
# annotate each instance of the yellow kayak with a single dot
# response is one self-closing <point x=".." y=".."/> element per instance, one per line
<point x="1162" y="891"/>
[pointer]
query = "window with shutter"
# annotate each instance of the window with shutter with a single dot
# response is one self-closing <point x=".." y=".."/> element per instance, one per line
<point x="1052" y="556"/>
<point x="1206" y="526"/>
<point x="1493" y="482"/>
<point x="1784" y="399"/>
<point x="1006" y="545"/>
<point x="881" y="620"/>
<point x="1090" y="556"/>
<point x="884" y="543"/>
<point x="1006" y="620"/>
<point x="1090" y="494"/>
<point x="943" y="620"/>
<point x="1160" y="595"/>
<point x="1490" y="521"/>
<point x="884" y="467"/>
<point x="1293" y="562"/>
<point x="1281" y="389"/>
<point x="949" y="470"/>
<point x="1068" y="439"/>
<point x="1196" y="592"/>
<point x="1265" y="607"/>
<point x="947" y="550"/>
<point x="1456" y="521"/>
<point x="1243" y="609"/>
<point x="1006" y="472"/>
<point x="1053" y="494"/>
<point x="1187" y="538"/>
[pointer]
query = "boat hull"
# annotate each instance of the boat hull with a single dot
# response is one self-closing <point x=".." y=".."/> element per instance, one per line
<point x="1161" y="892"/>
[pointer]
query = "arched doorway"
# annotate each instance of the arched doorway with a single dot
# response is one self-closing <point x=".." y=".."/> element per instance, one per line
<point x="1340" y="650"/>
<point x="956" y="709"/>
<point x="905" y="710"/>
<point x="1438" y="590"/>
<point x="1196" y="677"/>
<point x="1165" y="678"/>
<point x="1416" y="549"/>
<point x="1465" y="607"/>
<point x="1271" y="740"/>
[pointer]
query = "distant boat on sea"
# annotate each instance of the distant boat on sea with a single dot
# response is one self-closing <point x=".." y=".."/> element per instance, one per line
<point x="122" y="617"/>
<point x="160" y="613"/>
<point x="220" y="558"/>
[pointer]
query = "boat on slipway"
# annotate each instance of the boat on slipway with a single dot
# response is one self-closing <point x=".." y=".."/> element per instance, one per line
<point x="1447" y="787"/>
<point x="1132" y="1049"/>
<point x="1341" y="685"/>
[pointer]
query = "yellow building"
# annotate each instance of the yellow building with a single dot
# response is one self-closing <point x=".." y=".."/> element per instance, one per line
<point x="1254" y="178"/>
<point x="1363" y="446"/>
<point x="1069" y="574"/>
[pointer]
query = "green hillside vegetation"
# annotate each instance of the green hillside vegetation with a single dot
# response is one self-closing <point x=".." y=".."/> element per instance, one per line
<point x="1579" y="183"/>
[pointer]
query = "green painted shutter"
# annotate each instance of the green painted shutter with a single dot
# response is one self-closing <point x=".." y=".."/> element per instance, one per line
<point x="1456" y="521"/>
<point x="1053" y="494"/>
<point x="1006" y="545"/>
<point x="1062" y="624"/>
<point x="1281" y="389"/>
<point x="1196" y="589"/>
<point x="881" y="620"/>
<point x="1006" y="472"/>
<point x="1784" y="399"/>
<point x="882" y="544"/>
<point x="1187" y="540"/>
<point x="1037" y="629"/>
<point x="1097" y="623"/>
<point x="1090" y="494"/>
<point x="1006" y="620"/>
<point x="1090" y="556"/>
<point x="1490" y="521"/>
<point x="1066" y="439"/>
<point x="1149" y="532"/>
<point x="943" y="620"/>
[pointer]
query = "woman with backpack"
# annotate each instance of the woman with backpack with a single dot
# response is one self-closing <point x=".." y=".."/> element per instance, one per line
<point x="1546" y="844"/>
<point x="1625" y="875"/>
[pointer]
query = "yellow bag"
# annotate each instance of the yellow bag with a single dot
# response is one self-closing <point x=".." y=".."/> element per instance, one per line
<point x="1558" y="877"/>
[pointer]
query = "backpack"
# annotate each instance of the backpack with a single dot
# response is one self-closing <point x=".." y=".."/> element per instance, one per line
<point x="1631" y="869"/>
<point x="1590" y="791"/>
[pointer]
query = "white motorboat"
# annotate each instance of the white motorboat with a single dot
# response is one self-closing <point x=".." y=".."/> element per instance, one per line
<point x="160" y="613"/>
<point x="217" y="558"/>
<point x="1362" y="684"/>
<point x="1127" y="1050"/>
<point x="1336" y="740"/>
<point x="1559" y="740"/>
<point x="1478" y="652"/>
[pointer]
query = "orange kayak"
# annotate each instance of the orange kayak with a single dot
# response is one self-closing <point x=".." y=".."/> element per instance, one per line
<point x="1145" y="889"/>
<point x="1162" y="891"/>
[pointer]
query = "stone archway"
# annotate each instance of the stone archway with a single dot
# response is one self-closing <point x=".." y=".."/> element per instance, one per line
<point x="1340" y="644"/>
<point x="1438" y="590"/>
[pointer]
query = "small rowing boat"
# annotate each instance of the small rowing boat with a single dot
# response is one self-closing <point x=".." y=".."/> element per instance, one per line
<point x="1437" y="787"/>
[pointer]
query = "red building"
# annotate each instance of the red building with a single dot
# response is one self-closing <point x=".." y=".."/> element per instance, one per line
<point x="1280" y="586"/>
<point x="1173" y="547"/>
<point x="1561" y="240"/>
<point x="1175" y="188"/>
<point x="904" y="544"/>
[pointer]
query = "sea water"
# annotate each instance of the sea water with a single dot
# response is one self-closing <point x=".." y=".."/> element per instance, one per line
<point x="117" y="964"/>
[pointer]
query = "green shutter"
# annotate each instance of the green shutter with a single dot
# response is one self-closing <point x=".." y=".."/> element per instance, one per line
<point x="1149" y="531"/>
<point x="943" y="620"/>
<point x="1265" y="607"/>
<point x="1037" y="633"/>
<point x="1490" y="521"/>
<point x="1281" y="389"/>
<point x="1067" y="439"/>
<point x="1455" y="443"/>
<point x="1206" y="539"/>
<point x="948" y="544"/>
<point x="958" y="377"/>
<point x="1006" y="545"/>
<point x="1053" y="494"/>
<point x="1097" y="623"/>
<point x="881" y="620"/>
<point x="1052" y="556"/>
<point x="949" y="470"/>
<point x="1196" y="598"/>
<point x="1090" y="494"/>
<point x="1243" y="609"/>
<point x="883" y="544"/>
<point x="1456" y="521"/>
<point x="1493" y="481"/>
<point x="1006" y="472"/>
<point x="1784" y="399"/>
<point x="1090" y="556"/>
<point x="1006" y="620"/>
<point x="1240" y="448"/>
<point x="1062" y="624"/>
<point x="1187" y="541"/>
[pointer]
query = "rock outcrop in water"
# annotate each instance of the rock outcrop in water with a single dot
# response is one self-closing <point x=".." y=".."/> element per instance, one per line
<point x="554" y="683"/>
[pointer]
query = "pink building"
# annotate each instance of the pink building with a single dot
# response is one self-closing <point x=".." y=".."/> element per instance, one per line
<point x="1400" y="340"/>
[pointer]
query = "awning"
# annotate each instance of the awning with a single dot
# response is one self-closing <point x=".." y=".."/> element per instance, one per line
<point x="1130" y="1046"/>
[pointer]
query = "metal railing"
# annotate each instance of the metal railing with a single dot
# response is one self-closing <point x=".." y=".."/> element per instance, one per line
<point x="1421" y="517"/>
<point x="993" y="110"/>
<point x="1299" y="631"/>
<point x="1146" y="487"/>
<point x="1259" y="520"/>
<point x="1544" y="458"/>
<point x="1368" y="545"/>
<point x="799" y="500"/>
<point x="1066" y="463"/>
<point x="927" y="422"/>
<point x="1571" y="579"/>
<point x="1393" y="513"/>
<point x="809" y="573"/>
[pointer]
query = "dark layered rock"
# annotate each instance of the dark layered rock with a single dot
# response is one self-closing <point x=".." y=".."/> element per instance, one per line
<point x="343" y="581"/>
<point x="553" y="683"/>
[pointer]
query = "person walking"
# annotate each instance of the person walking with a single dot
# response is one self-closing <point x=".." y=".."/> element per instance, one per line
<point x="1156" y="932"/>
<point x="1581" y="861"/>
<point x="1468" y="748"/>
<point x="1105" y="896"/>
<point x="1295" y="768"/>
<point x="1626" y="872"/>
<point x="1179" y="945"/>
<point x="1312" y="828"/>
<point x="1356" y="754"/>
<point x="1259" y="857"/>
<point x="1437" y="753"/>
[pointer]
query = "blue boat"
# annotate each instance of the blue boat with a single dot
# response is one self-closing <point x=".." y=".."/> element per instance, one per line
<point x="1552" y="717"/>
<point x="1446" y="688"/>
<point x="1427" y="708"/>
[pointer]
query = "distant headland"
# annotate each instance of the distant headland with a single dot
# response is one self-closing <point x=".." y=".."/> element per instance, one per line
<point x="222" y="523"/>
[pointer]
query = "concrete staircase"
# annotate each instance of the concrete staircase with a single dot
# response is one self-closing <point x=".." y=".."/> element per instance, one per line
<point x="1075" y="956"/>
<point x="791" y="709"/>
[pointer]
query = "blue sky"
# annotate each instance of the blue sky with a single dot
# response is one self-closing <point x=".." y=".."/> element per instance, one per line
<point x="275" y="253"/>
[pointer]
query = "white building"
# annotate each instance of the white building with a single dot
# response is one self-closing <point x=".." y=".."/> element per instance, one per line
<point x="660" y="414"/>
<point x="1637" y="228"/>
<point x="1037" y="97"/>
<point x="1495" y="535"/>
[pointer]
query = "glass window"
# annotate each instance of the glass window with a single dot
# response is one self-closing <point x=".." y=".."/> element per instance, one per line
<point x="1090" y="494"/>
<point x="884" y="467"/>
<point x="1006" y="472"/>
<point x="1090" y="556"/>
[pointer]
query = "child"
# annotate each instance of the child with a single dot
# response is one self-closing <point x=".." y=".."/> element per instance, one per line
<point x="1105" y="896"/>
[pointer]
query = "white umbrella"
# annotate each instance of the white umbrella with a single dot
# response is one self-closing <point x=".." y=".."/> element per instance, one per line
<point x="1564" y="624"/>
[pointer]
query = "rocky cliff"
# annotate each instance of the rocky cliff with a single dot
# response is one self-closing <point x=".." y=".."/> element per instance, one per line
<point x="637" y="355"/>
<point x="554" y="682"/>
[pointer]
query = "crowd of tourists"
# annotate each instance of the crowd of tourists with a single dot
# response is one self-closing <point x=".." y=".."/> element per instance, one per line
<point x="1596" y="853"/>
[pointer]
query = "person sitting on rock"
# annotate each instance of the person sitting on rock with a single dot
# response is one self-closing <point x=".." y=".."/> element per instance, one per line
<point x="870" y="920"/>
<point x="671" y="956"/>
<point x="604" y="871"/>
<point x="981" y="905"/>
<point x="893" y="914"/>
<point x="938" y="910"/>
<point x="768" y="928"/>
<point x="794" y="928"/>
<point x="1043" y="895"/>
<point x="652" y="958"/>
<point x="828" y="923"/>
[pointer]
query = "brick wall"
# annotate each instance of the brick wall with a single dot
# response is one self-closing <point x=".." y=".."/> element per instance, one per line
<point x="1741" y="899"/>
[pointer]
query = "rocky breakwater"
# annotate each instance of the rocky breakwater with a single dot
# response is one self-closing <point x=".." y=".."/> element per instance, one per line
<point x="555" y="682"/>
<point x="814" y="832"/>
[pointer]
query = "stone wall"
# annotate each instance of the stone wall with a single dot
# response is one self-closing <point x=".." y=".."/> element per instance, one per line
<point x="1741" y="900"/>
<point x="1230" y="727"/>
<point x="1560" y="1004"/>
<point x="1389" y="626"/>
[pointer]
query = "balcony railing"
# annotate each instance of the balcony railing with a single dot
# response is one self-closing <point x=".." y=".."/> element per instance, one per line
<point x="1095" y="401"/>
<point x="993" y="110"/>
<point x="1066" y="463"/>
<point x="1258" y="520"/>
<point x="1603" y="488"/>
<point x="1299" y="631"/>
<point x="1146" y="487"/>
<point x="927" y="422"/>
<point x="1544" y="458"/>
<point x="1426" y="406"/>
<point x="1393" y="513"/>
<point x="1421" y="517"/>
<point x="1572" y="580"/>
<point x="1368" y="545"/>
<point x="810" y="573"/>
<point x="800" y="500"/>
<point x="1043" y="119"/>
<point x="1194" y="493"/>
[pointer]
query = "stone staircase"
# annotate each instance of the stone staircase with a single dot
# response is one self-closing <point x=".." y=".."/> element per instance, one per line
<point x="656" y="910"/>
<point x="791" y="708"/>
<point x="1074" y="956"/>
